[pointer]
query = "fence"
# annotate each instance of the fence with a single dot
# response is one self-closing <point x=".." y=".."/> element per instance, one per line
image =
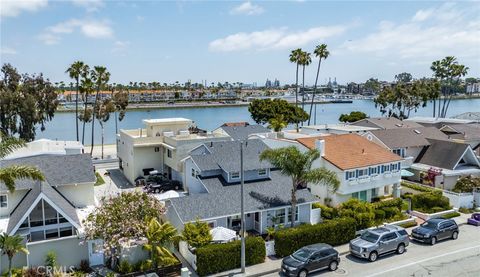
<point x="459" y="200"/>
<point x="315" y="216"/>
<point x="187" y="254"/>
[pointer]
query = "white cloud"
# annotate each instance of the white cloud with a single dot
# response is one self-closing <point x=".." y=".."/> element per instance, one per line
<point x="13" y="8"/>
<point x="280" y="38"/>
<point x="120" y="47"/>
<point x="89" y="28"/>
<point x="89" y="5"/>
<point x="247" y="8"/>
<point x="431" y="33"/>
<point x="7" y="51"/>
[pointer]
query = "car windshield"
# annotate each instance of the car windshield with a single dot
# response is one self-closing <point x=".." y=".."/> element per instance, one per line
<point x="370" y="237"/>
<point x="302" y="254"/>
<point x="429" y="225"/>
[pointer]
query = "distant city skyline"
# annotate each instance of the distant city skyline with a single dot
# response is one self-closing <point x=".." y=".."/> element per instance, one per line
<point x="248" y="41"/>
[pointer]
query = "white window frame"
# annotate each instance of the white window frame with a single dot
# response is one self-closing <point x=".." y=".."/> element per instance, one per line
<point x="297" y="215"/>
<point x="236" y="173"/>
<point x="262" y="172"/>
<point x="6" y="201"/>
<point x="351" y="175"/>
<point x="374" y="168"/>
<point x="282" y="218"/>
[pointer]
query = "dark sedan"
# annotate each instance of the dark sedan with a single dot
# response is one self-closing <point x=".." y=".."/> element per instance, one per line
<point x="309" y="259"/>
<point x="436" y="229"/>
<point x="164" y="186"/>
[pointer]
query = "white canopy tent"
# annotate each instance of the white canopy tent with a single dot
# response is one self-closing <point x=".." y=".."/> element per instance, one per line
<point x="222" y="234"/>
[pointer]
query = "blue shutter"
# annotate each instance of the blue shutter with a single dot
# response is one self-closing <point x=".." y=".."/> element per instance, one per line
<point x="356" y="172"/>
<point x="346" y="175"/>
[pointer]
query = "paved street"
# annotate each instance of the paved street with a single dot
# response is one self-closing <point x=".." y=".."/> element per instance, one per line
<point x="448" y="258"/>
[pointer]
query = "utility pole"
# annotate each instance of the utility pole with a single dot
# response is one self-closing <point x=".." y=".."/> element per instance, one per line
<point x="242" y="211"/>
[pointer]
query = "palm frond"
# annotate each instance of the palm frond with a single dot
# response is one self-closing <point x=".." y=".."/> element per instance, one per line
<point x="9" y="174"/>
<point x="9" y="144"/>
<point x="322" y="176"/>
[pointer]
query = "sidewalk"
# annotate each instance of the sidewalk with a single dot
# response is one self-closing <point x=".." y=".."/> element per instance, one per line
<point x="273" y="264"/>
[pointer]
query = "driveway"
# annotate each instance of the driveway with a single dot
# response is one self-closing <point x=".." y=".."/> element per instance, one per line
<point x="115" y="183"/>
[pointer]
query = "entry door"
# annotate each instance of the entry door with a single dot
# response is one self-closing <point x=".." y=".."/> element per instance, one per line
<point x="95" y="252"/>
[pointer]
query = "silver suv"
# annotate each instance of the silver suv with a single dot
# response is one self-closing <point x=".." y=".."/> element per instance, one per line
<point x="375" y="242"/>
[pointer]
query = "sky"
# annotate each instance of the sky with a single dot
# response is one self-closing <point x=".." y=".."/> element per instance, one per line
<point x="237" y="41"/>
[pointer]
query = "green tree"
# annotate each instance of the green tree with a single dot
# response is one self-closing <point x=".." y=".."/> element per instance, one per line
<point x="372" y="85"/>
<point x="264" y="110"/>
<point x="86" y="89"/>
<point x="100" y="76"/>
<point x="298" y="166"/>
<point x="11" y="246"/>
<point x="295" y="57"/>
<point x="467" y="184"/>
<point x="196" y="234"/>
<point x="25" y="102"/>
<point x="352" y="116"/>
<point x="75" y="72"/>
<point x="8" y="174"/>
<point x="160" y="236"/>
<point x="120" y="219"/>
<point x="403" y="77"/>
<point x="320" y="52"/>
<point x="277" y="123"/>
<point x="305" y="60"/>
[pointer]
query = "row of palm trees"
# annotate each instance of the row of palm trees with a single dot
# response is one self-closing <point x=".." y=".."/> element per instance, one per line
<point x="303" y="59"/>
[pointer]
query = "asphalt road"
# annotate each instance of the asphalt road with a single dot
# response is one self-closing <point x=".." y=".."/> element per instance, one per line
<point x="447" y="258"/>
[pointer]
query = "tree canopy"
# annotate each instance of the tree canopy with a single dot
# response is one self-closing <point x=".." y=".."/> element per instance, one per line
<point x="264" y="110"/>
<point x="25" y="101"/>
<point x="352" y="116"/>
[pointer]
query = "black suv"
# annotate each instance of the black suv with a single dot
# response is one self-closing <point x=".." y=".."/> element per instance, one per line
<point x="310" y="258"/>
<point x="436" y="229"/>
<point x="164" y="186"/>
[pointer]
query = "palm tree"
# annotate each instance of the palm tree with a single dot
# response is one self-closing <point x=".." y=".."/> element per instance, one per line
<point x="86" y="89"/>
<point x="160" y="236"/>
<point x="9" y="174"/>
<point x="305" y="60"/>
<point x="11" y="245"/>
<point x="298" y="166"/>
<point x="277" y="123"/>
<point x="320" y="52"/>
<point x="75" y="71"/>
<point x="295" y="56"/>
<point x="100" y="76"/>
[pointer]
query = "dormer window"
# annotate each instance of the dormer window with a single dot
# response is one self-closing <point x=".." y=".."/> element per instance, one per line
<point x="262" y="172"/>
<point x="235" y="175"/>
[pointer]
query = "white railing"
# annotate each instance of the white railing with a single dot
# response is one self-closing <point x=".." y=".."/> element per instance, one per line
<point x="187" y="255"/>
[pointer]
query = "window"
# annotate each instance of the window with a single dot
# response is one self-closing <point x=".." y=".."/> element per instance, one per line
<point x="3" y="201"/>
<point x="362" y="172"/>
<point x="349" y="175"/>
<point x="262" y="172"/>
<point x="169" y="153"/>
<point x="235" y="175"/>
<point x="399" y="151"/>
<point x="290" y="214"/>
<point x="66" y="232"/>
<point x="157" y="149"/>
<point x="403" y="233"/>
<point x="373" y="170"/>
<point x="36" y="236"/>
<point x="280" y="216"/>
<point x="193" y="173"/>
<point x="389" y="237"/>
<point x="51" y="234"/>
<point x="62" y="219"/>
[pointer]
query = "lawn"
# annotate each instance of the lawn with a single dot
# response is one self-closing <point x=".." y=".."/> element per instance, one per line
<point x="100" y="180"/>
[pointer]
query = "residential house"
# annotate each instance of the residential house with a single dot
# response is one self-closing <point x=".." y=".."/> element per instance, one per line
<point x="160" y="146"/>
<point x="336" y="129"/>
<point x="464" y="133"/>
<point x="447" y="161"/>
<point x="213" y="182"/>
<point x="408" y="143"/>
<point x="437" y="122"/>
<point x="49" y="214"/>
<point x="386" y="123"/>
<point x="365" y="169"/>
<point x="240" y="130"/>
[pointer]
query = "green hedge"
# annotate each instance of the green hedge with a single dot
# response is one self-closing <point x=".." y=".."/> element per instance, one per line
<point x="418" y="187"/>
<point x="451" y="215"/>
<point x="429" y="202"/>
<point x="214" y="258"/>
<point x="333" y="232"/>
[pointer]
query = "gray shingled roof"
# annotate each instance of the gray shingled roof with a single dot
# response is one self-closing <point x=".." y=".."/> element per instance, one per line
<point x="408" y="137"/>
<point x="225" y="155"/>
<point x="224" y="200"/>
<point x="464" y="131"/>
<point x="442" y="154"/>
<point x="386" y="123"/>
<point x="242" y="132"/>
<point x="52" y="194"/>
<point x="58" y="169"/>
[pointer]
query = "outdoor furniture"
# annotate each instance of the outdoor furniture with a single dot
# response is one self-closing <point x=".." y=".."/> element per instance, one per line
<point x="474" y="219"/>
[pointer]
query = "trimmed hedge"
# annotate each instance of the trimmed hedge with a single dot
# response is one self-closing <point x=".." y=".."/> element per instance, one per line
<point x="418" y="187"/>
<point x="334" y="232"/>
<point x="429" y="202"/>
<point x="214" y="258"/>
<point x="451" y="215"/>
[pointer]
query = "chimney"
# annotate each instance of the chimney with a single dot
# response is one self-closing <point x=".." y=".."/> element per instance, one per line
<point x="320" y="146"/>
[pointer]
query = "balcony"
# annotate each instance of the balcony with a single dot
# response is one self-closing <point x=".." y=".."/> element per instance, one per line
<point x="407" y="162"/>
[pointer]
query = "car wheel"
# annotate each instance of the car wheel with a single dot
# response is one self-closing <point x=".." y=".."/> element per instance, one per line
<point x="455" y="235"/>
<point x="333" y="266"/>
<point x="401" y="248"/>
<point x="303" y="273"/>
<point x="373" y="256"/>
<point x="433" y="241"/>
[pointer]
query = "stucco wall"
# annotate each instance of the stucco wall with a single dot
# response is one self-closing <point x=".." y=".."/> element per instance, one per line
<point x="68" y="250"/>
<point x="80" y="195"/>
<point x="12" y="201"/>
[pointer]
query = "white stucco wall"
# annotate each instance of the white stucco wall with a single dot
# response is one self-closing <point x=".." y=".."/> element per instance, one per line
<point x="12" y="201"/>
<point x="80" y="195"/>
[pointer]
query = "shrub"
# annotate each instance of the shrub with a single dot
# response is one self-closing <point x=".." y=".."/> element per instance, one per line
<point x="464" y="210"/>
<point x="391" y="212"/>
<point x="429" y="202"/>
<point x="397" y="202"/>
<point x="51" y="259"/>
<point x="418" y="187"/>
<point x="408" y="224"/>
<point x="451" y="215"/>
<point x="197" y="234"/>
<point x="215" y="258"/>
<point x="84" y="266"/>
<point x="379" y="216"/>
<point x="326" y="212"/>
<point x="361" y="211"/>
<point x="333" y="232"/>
<point x="125" y="267"/>
<point x="99" y="180"/>
<point x="466" y="184"/>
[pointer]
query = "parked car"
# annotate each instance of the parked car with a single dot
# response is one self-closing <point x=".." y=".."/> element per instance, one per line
<point x="436" y="229"/>
<point x="161" y="187"/>
<point x="379" y="241"/>
<point x="309" y="259"/>
<point x="474" y="219"/>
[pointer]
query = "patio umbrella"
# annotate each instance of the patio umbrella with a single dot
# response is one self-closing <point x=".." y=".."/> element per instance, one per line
<point x="222" y="234"/>
<point x="406" y="173"/>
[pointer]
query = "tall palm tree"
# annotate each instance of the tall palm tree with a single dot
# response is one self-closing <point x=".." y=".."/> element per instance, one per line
<point x="86" y="89"/>
<point x="298" y="166"/>
<point x="295" y="56"/>
<point x="75" y="71"/>
<point x="277" y="123"/>
<point x="11" y="245"/>
<point x="160" y="236"/>
<point x="305" y="60"/>
<point x="9" y="174"/>
<point x="100" y="76"/>
<point x="320" y="52"/>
